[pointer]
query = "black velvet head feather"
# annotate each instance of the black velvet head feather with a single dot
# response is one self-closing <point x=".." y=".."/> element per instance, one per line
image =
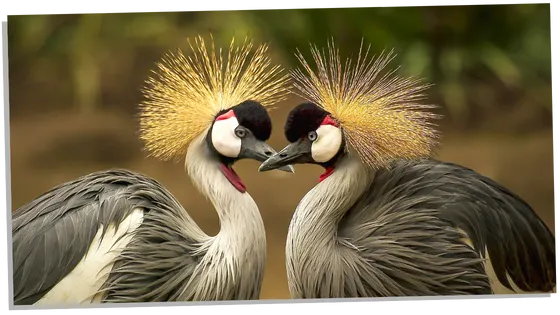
<point x="253" y="116"/>
<point x="303" y="119"/>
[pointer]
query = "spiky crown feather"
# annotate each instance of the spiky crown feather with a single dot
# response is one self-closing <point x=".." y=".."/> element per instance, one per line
<point x="380" y="115"/>
<point x="184" y="96"/>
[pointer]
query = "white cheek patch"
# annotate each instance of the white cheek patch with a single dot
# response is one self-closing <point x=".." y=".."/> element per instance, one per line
<point x="224" y="139"/>
<point x="327" y="144"/>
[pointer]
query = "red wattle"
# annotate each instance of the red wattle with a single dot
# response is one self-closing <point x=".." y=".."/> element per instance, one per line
<point x="233" y="178"/>
<point x="326" y="174"/>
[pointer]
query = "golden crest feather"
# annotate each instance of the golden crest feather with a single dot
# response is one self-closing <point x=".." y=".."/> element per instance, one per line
<point x="380" y="115"/>
<point x="186" y="93"/>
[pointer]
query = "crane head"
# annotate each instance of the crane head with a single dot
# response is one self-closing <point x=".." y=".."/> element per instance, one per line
<point x="210" y="88"/>
<point x="315" y="138"/>
<point x="241" y="132"/>
<point x="354" y="106"/>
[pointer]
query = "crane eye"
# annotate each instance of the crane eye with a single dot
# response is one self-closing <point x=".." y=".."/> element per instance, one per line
<point x="240" y="132"/>
<point x="312" y="136"/>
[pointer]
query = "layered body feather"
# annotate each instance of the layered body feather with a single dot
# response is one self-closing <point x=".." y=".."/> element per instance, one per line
<point x="416" y="228"/>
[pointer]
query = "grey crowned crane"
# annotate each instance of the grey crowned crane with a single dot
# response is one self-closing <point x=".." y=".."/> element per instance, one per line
<point x="120" y="236"/>
<point x="387" y="219"/>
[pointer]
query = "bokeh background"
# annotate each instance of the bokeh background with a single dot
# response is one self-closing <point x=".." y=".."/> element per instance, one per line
<point x="75" y="83"/>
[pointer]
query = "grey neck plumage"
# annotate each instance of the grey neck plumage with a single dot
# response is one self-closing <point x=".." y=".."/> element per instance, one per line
<point x="235" y="257"/>
<point x="325" y="204"/>
<point x="313" y="229"/>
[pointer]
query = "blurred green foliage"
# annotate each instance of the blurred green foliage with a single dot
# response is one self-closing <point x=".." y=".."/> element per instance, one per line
<point x="482" y="59"/>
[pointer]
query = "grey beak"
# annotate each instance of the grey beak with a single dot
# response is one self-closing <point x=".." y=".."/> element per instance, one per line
<point x="287" y="168"/>
<point x="261" y="151"/>
<point x="272" y="163"/>
<point x="293" y="153"/>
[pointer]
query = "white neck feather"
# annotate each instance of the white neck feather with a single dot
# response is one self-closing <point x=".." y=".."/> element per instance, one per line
<point x="316" y="218"/>
<point x="241" y="242"/>
<point x="314" y="225"/>
<point x="327" y="202"/>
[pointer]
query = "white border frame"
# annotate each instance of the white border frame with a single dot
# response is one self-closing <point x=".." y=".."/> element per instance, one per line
<point x="520" y="303"/>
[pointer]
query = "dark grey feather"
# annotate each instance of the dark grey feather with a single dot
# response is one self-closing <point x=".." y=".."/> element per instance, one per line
<point x="52" y="233"/>
<point x="401" y="231"/>
<point x="410" y="213"/>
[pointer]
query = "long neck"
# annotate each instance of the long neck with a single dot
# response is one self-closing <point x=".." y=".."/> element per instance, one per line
<point x="319" y="212"/>
<point x="241" y="226"/>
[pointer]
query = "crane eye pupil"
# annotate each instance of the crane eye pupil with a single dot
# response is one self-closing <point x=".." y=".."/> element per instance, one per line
<point x="312" y="136"/>
<point x="240" y="133"/>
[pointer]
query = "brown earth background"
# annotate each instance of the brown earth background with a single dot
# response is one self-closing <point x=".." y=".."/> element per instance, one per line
<point x="75" y="81"/>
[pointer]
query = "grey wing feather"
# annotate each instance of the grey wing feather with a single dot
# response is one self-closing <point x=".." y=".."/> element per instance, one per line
<point x="52" y="233"/>
<point x="518" y="241"/>
<point x="419" y="205"/>
<point x="158" y="263"/>
<point x="404" y="248"/>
